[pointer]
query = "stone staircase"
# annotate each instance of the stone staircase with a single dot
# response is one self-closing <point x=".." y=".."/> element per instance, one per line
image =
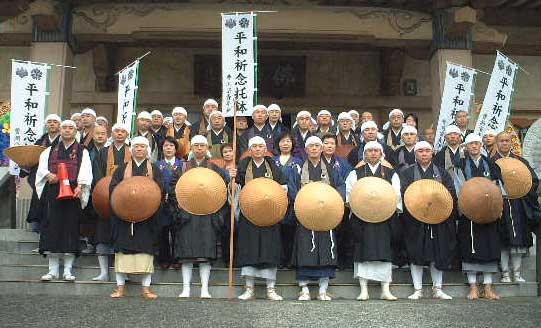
<point x="20" y="270"/>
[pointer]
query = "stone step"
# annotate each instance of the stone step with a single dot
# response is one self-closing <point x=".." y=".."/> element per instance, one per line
<point x="220" y="275"/>
<point x="17" y="235"/>
<point x="288" y="291"/>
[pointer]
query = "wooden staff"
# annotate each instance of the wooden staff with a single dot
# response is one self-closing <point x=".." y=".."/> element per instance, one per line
<point x="233" y="205"/>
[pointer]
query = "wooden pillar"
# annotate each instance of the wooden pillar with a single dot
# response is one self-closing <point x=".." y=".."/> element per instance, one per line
<point x="451" y="41"/>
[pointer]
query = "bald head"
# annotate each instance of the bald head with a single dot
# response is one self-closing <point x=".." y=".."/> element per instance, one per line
<point x="504" y="143"/>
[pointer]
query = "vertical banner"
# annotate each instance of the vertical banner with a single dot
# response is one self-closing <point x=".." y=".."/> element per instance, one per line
<point x="496" y="105"/>
<point x="29" y="91"/>
<point x="127" y="94"/>
<point x="239" y="63"/>
<point x="457" y="95"/>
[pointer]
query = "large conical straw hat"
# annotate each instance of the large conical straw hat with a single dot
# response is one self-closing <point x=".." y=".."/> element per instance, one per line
<point x="480" y="200"/>
<point x="136" y="199"/>
<point x="25" y="156"/>
<point x="428" y="201"/>
<point x="319" y="207"/>
<point x="201" y="191"/>
<point x="373" y="199"/>
<point x="263" y="202"/>
<point x="517" y="178"/>
<point x="100" y="198"/>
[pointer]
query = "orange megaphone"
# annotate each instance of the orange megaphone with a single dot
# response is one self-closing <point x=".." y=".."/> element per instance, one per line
<point x="65" y="191"/>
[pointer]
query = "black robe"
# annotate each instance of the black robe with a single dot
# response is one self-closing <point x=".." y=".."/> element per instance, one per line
<point x="299" y="150"/>
<point x="36" y="205"/>
<point x="396" y="139"/>
<point x="60" y="222"/>
<point x="373" y="241"/>
<point x="514" y="228"/>
<point x="99" y="171"/>
<point x="427" y="243"/>
<point x="278" y="129"/>
<point x="403" y="158"/>
<point x="486" y="237"/>
<point x="196" y="236"/>
<point x="258" y="246"/>
<point x="159" y="136"/>
<point x="324" y="253"/>
<point x="146" y="233"/>
<point x="439" y="158"/>
<point x="265" y="133"/>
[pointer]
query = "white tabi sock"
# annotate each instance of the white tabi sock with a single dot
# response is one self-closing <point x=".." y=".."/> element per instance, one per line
<point x="120" y="279"/>
<point x="437" y="276"/>
<point x="186" y="276"/>
<point x="271" y="283"/>
<point x="204" y="275"/>
<point x="54" y="264"/>
<point x="417" y="276"/>
<point x="68" y="262"/>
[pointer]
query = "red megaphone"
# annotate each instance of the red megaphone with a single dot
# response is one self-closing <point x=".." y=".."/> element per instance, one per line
<point x="65" y="191"/>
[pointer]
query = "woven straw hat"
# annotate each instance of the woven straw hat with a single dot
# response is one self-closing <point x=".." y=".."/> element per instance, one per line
<point x="263" y="202"/>
<point x="373" y="199"/>
<point x="201" y="191"/>
<point x="100" y="198"/>
<point x="136" y="199"/>
<point x="428" y="201"/>
<point x="517" y="178"/>
<point x="480" y="200"/>
<point x="319" y="207"/>
<point x="25" y="156"/>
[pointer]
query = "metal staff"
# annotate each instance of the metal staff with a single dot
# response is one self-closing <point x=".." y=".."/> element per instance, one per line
<point x="233" y="205"/>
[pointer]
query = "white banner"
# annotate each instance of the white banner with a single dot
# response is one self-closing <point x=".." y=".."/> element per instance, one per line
<point x="457" y="95"/>
<point x="496" y="109"/>
<point x="127" y="94"/>
<point x="28" y="104"/>
<point x="239" y="63"/>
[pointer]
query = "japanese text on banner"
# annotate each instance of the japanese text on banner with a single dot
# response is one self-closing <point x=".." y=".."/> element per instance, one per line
<point x="456" y="97"/>
<point x="496" y="105"/>
<point x="238" y="63"/>
<point x="127" y="94"/>
<point x="28" y="104"/>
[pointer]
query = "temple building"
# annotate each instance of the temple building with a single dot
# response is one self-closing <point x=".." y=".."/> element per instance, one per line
<point x="370" y="55"/>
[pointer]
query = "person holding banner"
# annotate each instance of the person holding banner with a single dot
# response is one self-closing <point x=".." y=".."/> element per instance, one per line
<point x="369" y="130"/>
<point x="218" y="134"/>
<point x="49" y="139"/>
<point x="479" y="244"/>
<point x="196" y="236"/>
<point x="143" y="123"/>
<point x="109" y="159"/>
<point x="373" y="250"/>
<point x="257" y="261"/>
<point x="135" y="243"/>
<point x="461" y="120"/>
<point x="515" y="234"/>
<point x="201" y="127"/>
<point x="88" y="120"/>
<point x="275" y="121"/>
<point x="404" y="155"/>
<point x="314" y="252"/>
<point x="259" y="128"/>
<point x="301" y="132"/>
<point x="392" y="136"/>
<point x="60" y="223"/>
<point x="180" y="131"/>
<point x="428" y="244"/>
